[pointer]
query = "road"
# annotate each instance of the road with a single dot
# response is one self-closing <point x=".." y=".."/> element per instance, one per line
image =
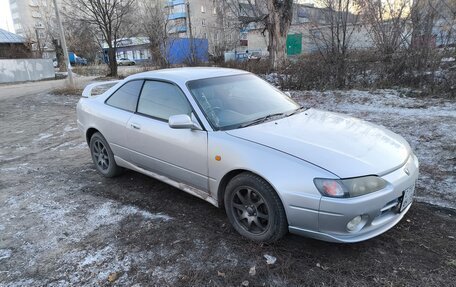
<point x="62" y="224"/>
<point x="33" y="88"/>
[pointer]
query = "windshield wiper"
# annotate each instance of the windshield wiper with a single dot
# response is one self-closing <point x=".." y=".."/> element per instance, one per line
<point x="261" y="120"/>
<point x="298" y="110"/>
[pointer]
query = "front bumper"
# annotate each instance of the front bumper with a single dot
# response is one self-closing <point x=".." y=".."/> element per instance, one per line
<point x="380" y="210"/>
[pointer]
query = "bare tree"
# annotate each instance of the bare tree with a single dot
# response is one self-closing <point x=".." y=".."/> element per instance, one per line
<point x="387" y="22"/>
<point x="223" y="34"/>
<point x="48" y="23"/>
<point x="81" y="39"/>
<point x="275" y="16"/>
<point x="445" y="21"/>
<point x="110" y="18"/>
<point x="333" y="34"/>
<point x="280" y="13"/>
<point x="158" y="29"/>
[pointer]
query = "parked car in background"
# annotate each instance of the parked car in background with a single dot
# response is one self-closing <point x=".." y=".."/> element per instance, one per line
<point x="232" y="139"/>
<point x="254" y="56"/>
<point x="125" y="62"/>
<point x="75" y="60"/>
<point x="81" y="61"/>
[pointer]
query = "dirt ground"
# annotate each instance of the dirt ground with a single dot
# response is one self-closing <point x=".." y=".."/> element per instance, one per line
<point x="62" y="224"/>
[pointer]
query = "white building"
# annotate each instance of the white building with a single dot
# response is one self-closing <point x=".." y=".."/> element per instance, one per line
<point x="33" y="19"/>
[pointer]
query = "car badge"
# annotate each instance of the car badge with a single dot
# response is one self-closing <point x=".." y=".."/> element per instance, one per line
<point x="406" y="170"/>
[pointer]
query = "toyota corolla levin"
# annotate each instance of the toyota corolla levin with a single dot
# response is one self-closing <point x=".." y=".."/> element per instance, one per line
<point x="230" y="138"/>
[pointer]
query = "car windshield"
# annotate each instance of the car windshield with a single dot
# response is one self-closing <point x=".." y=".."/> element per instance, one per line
<point x="237" y="101"/>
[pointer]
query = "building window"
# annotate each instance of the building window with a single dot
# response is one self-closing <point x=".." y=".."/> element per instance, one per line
<point x="203" y="9"/>
<point x="203" y="22"/>
<point x="41" y="35"/>
<point x="205" y="35"/>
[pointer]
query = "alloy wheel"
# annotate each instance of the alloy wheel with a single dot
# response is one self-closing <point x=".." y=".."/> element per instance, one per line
<point x="100" y="154"/>
<point x="250" y="210"/>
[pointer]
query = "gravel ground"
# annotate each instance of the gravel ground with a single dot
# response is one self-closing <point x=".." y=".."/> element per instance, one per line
<point x="61" y="224"/>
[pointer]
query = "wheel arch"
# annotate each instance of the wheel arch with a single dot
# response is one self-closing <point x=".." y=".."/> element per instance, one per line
<point x="230" y="175"/>
<point x="89" y="134"/>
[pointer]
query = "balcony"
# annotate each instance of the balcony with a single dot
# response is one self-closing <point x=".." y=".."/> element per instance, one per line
<point x="177" y="15"/>
<point x="177" y="29"/>
<point x="171" y="3"/>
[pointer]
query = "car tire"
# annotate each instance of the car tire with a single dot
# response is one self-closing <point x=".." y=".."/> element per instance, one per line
<point x="102" y="156"/>
<point x="254" y="208"/>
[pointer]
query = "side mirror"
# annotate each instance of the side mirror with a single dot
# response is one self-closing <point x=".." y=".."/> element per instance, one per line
<point x="183" y="122"/>
<point x="288" y="94"/>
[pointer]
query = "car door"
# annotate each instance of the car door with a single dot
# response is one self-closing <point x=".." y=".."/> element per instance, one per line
<point x="179" y="154"/>
<point x="115" y="113"/>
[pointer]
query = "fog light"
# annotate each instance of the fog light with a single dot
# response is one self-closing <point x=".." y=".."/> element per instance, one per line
<point x="355" y="224"/>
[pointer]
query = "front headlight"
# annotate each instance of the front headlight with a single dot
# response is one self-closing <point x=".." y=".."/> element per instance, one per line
<point x="351" y="187"/>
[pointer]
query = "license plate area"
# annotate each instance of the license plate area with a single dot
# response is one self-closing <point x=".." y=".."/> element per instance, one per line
<point x="407" y="197"/>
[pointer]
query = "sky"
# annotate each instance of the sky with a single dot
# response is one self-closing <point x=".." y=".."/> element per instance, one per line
<point x="6" y="22"/>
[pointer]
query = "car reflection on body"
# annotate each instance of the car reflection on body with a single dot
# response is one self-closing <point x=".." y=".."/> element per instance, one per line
<point x="230" y="138"/>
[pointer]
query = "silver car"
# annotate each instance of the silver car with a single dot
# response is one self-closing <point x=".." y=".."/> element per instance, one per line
<point x="230" y="138"/>
<point x="125" y="62"/>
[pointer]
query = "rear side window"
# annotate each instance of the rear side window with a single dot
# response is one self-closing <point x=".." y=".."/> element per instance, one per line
<point x="161" y="100"/>
<point x="127" y="96"/>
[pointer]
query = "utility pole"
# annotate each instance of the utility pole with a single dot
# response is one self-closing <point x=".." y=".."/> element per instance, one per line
<point x="64" y="46"/>
<point x="192" y="46"/>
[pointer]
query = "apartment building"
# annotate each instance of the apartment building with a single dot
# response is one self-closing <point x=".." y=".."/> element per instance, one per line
<point x="206" y="19"/>
<point x="32" y="20"/>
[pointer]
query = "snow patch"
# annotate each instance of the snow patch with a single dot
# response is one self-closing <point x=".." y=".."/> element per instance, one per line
<point x="69" y="129"/>
<point x="5" y="253"/>
<point x="82" y="145"/>
<point x="43" y="136"/>
<point x="110" y="213"/>
<point x="97" y="256"/>
<point x="61" y="146"/>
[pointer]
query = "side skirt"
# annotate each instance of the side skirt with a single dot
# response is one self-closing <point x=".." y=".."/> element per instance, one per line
<point x="182" y="186"/>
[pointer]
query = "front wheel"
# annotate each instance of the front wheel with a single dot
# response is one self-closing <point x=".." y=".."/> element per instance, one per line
<point x="102" y="156"/>
<point x="254" y="208"/>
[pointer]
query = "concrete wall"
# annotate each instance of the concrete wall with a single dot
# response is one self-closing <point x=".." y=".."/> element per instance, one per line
<point x="22" y="70"/>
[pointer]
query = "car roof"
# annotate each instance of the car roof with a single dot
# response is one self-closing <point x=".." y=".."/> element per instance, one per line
<point x="183" y="75"/>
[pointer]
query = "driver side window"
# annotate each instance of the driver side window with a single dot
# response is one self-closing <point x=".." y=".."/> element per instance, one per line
<point x="161" y="100"/>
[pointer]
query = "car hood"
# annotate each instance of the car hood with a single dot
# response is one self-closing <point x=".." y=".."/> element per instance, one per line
<point x="343" y="145"/>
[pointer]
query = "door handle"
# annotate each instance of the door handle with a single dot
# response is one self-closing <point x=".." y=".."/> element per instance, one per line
<point x="136" y="126"/>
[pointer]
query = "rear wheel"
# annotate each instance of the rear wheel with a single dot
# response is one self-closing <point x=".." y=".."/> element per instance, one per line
<point x="254" y="208"/>
<point x="102" y="156"/>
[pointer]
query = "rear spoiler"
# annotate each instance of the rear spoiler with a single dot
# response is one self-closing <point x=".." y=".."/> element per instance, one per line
<point x="87" y="93"/>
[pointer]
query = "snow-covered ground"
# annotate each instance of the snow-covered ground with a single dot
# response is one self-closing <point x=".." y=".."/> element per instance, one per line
<point x="428" y="124"/>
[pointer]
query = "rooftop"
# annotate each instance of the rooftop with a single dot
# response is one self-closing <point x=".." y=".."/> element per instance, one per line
<point x="187" y="74"/>
<point x="8" y="37"/>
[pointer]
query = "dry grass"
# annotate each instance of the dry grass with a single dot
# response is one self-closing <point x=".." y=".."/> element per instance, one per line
<point x="67" y="91"/>
<point x="91" y="70"/>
